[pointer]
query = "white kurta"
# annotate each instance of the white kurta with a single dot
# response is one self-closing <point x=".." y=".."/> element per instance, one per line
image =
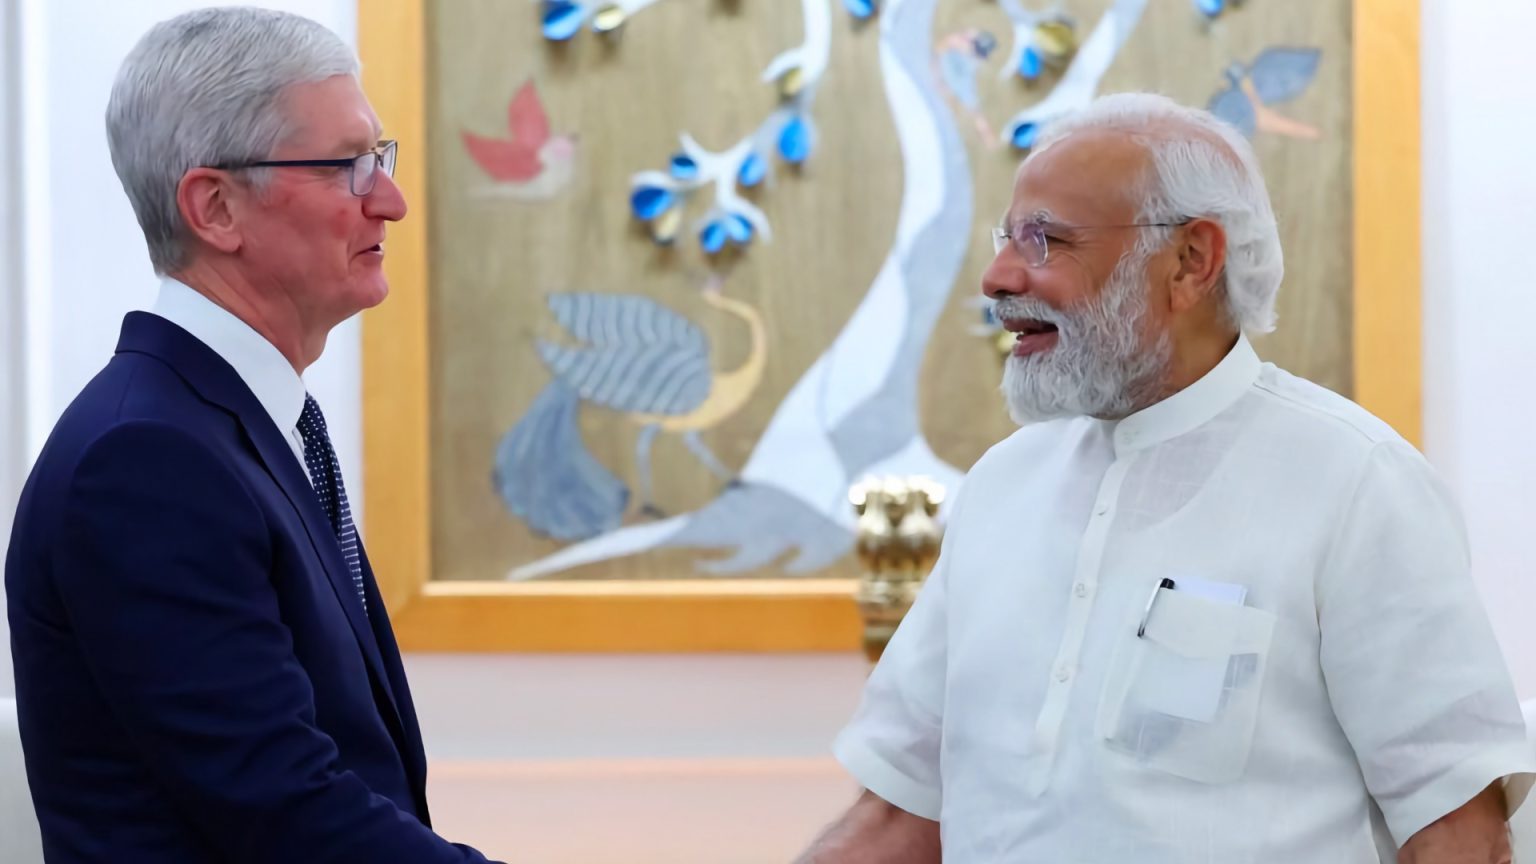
<point x="1017" y="705"/>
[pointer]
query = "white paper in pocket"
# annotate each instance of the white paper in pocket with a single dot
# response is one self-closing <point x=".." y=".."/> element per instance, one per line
<point x="1188" y="687"/>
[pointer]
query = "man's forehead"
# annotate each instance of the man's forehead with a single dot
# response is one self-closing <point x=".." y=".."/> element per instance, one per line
<point x="366" y="139"/>
<point x="332" y="114"/>
<point x="338" y="138"/>
<point x="1083" y="176"/>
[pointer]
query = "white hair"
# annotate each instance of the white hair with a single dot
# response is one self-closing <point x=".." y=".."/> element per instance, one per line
<point x="1201" y="167"/>
<point x="202" y="89"/>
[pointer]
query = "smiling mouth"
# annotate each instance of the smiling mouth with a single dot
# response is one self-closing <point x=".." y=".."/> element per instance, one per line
<point x="1032" y="335"/>
<point x="1028" y="327"/>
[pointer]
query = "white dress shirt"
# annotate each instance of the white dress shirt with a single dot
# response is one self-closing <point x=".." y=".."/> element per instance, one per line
<point x="259" y="364"/>
<point x="1017" y="705"/>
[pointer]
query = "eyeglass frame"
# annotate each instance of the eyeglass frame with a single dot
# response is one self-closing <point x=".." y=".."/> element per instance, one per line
<point x="1004" y="236"/>
<point x="385" y="153"/>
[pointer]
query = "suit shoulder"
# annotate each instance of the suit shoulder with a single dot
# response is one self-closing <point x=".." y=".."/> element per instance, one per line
<point x="136" y="385"/>
<point x="159" y="464"/>
<point x="135" y="388"/>
<point x="136" y="409"/>
<point x="148" y="435"/>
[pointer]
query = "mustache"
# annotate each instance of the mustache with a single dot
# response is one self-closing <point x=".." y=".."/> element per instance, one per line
<point x="1013" y="307"/>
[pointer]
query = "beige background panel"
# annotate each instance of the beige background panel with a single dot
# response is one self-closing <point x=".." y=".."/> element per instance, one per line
<point x="693" y="65"/>
<point x="783" y="614"/>
<point x="685" y="65"/>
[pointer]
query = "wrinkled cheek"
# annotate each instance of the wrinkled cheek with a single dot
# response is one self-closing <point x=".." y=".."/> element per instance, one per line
<point x="341" y="223"/>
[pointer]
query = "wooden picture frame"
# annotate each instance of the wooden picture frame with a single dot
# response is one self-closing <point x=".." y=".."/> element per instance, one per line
<point x="688" y="615"/>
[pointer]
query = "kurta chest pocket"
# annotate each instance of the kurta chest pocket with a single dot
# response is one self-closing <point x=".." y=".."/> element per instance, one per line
<point x="1184" y="696"/>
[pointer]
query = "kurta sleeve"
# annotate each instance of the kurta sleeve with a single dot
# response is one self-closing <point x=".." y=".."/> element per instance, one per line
<point x="1414" y="673"/>
<point x="892" y="743"/>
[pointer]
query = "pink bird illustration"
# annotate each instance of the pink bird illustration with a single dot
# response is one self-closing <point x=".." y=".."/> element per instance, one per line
<point x="529" y="163"/>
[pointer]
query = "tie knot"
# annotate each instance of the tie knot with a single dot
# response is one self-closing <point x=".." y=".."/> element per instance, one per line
<point x="312" y="422"/>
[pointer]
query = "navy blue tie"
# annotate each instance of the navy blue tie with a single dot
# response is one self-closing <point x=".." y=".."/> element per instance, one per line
<point x="325" y="476"/>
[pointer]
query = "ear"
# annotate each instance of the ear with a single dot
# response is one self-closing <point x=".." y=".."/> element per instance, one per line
<point x="1202" y="249"/>
<point x="210" y="202"/>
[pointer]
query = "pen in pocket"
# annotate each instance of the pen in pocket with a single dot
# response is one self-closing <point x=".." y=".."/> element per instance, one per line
<point x="1167" y="583"/>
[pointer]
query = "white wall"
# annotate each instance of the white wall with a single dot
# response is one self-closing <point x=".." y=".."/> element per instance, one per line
<point x="1479" y="117"/>
<point x="12" y="349"/>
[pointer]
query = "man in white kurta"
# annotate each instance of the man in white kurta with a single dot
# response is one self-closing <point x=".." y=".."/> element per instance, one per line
<point x="1226" y="626"/>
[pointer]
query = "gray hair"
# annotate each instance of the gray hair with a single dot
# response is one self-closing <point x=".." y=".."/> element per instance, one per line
<point x="202" y="89"/>
<point x="1201" y="167"/>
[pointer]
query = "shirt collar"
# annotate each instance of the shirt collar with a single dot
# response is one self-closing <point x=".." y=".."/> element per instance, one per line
<point x="259" y="364"/>
<point x="1193" y="406"/>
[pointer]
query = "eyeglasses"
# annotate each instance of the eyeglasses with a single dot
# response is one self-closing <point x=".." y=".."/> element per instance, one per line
<point x="365" y="167"/>
<point x="1031" y="241"/>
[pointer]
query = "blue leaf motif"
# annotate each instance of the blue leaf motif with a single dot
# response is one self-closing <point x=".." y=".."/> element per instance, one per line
<point x="683" y="167"/>
<point x="795" y="141"/>
<point x="738" y="229"/>
<point x="648" y="202"/>
<point x="1024" y="135"/>
<point x="753" y="169"/>
<point x="713" y="237"/>
<point x="562" y="19"/>
<point x="860" y="9"/>
<point x="1031" y="64"/>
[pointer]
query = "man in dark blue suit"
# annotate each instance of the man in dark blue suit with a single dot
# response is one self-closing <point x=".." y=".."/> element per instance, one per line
<point x="205" y="671"/>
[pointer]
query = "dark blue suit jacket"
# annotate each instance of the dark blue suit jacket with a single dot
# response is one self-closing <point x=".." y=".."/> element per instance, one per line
<point x="195" y="678"/>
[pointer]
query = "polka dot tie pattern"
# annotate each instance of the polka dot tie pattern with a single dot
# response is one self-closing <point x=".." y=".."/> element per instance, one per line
<point x="325" y="476"/>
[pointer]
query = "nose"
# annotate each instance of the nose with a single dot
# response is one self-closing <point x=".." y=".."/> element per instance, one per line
<point x="386" y="201"/>
<point x="1006" y="275"/>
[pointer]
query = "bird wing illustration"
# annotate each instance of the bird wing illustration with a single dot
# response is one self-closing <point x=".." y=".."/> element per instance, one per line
<point x="516" y="158"/>
<point x="1231" y="104"/>
<point x="1282" y="74"/>
<point x="526" y="119"/>
<point x="636" y="356"/>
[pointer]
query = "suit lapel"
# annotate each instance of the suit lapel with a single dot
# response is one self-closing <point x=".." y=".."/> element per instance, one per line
<point x="218" y="383"/>
<point x="278" y="456"/>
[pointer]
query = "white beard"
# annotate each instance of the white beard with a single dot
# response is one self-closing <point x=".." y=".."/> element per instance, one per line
<point x="1099" y="366"/>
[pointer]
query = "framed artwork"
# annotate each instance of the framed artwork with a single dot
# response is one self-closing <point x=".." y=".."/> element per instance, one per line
<point x="677" y="273"/>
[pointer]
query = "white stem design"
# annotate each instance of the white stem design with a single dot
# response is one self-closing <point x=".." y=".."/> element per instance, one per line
<point x="1024" y="23"/>
<point x="814" y="52"/>
<point x="1080" y="83"/>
